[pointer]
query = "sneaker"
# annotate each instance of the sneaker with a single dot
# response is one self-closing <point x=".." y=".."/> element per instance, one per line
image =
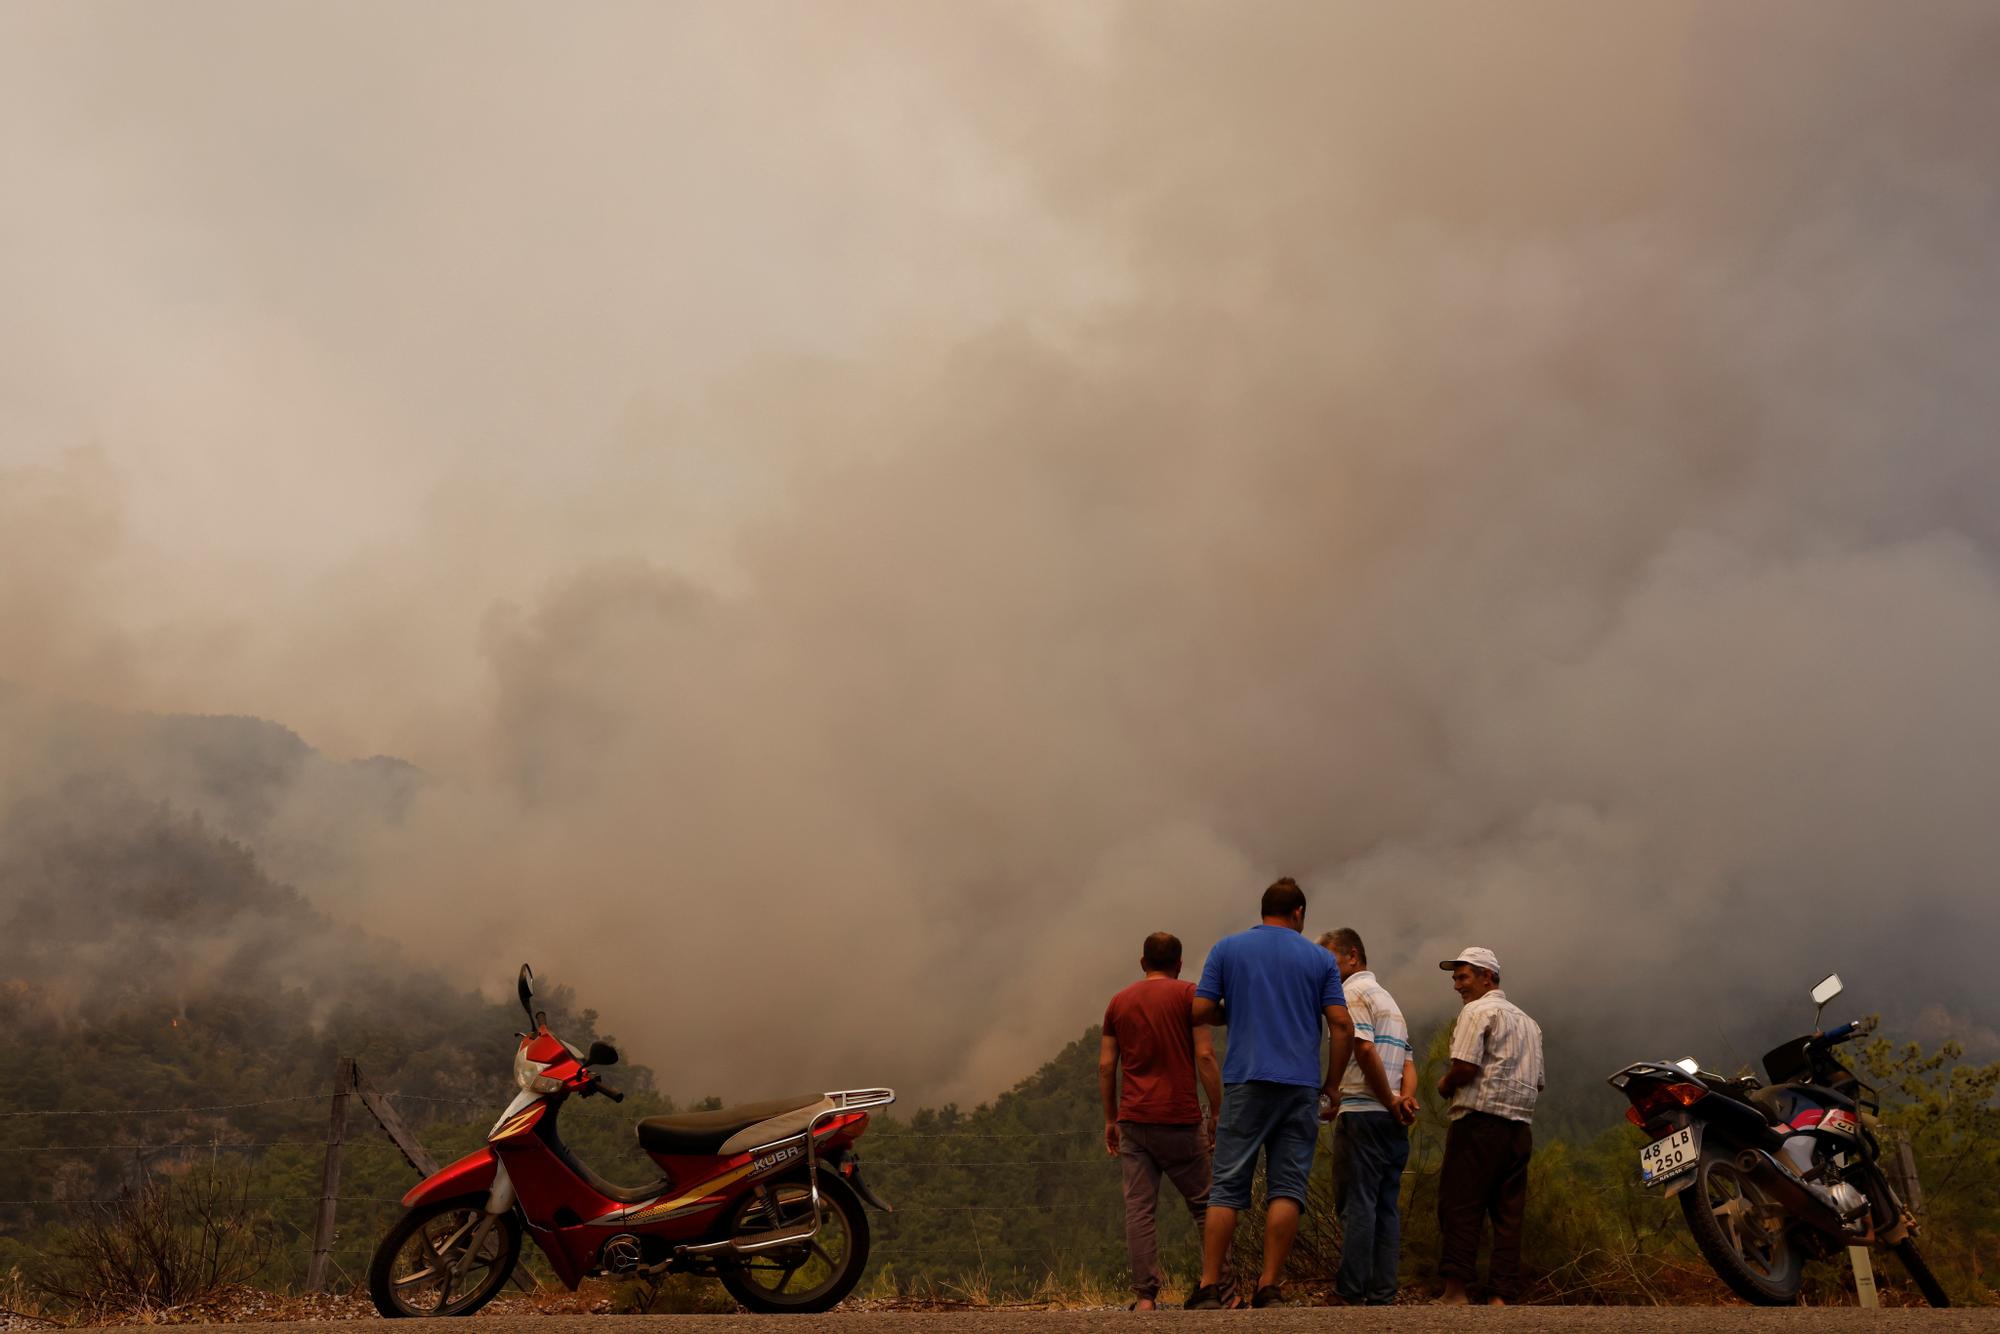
<point x="1212" y="1297"/>
<point x="1271" y="1294"/>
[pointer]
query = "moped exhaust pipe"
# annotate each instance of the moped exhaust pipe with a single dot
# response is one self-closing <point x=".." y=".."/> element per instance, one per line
<point x="763" y="1241"/>
<point x="1798" y="1198"/>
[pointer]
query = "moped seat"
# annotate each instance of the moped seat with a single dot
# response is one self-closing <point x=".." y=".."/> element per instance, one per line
<point x="1774" y="1103"/>
<point x="732" y="1129"/>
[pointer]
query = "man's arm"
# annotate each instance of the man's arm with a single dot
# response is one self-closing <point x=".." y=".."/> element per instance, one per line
<point x="1209" y="1073"/>
<point x="1456" y="1078"/>
<point x="1213" y="987"/>
<point x="1107" y="1088"/>
<point x="1407" y="1106"/>
<point x="1339" y="1047"/>
<point x="1370" y="1062"/>
<point x="1468" y="1053"/>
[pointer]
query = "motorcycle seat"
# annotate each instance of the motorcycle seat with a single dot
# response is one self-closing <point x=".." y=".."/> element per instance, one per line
<point x="1774" y="1103"/>
<point x="733" y="1129"/>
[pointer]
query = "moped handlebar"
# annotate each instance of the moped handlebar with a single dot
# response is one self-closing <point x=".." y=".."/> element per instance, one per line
<point x="596" y="1085"/>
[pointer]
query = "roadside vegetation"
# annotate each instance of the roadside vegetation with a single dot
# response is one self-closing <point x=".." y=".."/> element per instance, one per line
<point x="1012" y="1202"/>
<point x="105" y="1210"/>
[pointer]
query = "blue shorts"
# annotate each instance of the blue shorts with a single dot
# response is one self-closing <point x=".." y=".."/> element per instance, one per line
<point x="1280" y="1119"/>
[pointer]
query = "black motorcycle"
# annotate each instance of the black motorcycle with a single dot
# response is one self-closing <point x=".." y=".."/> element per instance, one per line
<point x="1772" y="1175"/>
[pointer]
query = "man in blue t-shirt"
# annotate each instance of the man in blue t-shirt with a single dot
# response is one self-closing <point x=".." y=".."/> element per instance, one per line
<point x="1271" y="986"/>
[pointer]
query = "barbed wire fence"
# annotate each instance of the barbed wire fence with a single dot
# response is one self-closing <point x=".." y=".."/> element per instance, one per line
<point x="987" y="1238"/>
<point x="147" y="1154"/>
<point x="927" y="1238"/>
<point x="346" y="1135"/>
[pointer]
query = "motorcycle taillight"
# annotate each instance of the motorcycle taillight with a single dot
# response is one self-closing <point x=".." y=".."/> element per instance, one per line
<point x="1653" y="1098"/>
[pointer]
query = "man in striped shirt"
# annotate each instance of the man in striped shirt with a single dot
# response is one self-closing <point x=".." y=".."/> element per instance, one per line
<point x="1495" y="1076"/>
<point x="1371" y="1145"/>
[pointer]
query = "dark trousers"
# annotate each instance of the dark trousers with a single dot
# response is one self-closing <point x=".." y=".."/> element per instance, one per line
<point x="1485" y="1175"/>
<point x="1371" y="1150"/>
<point x="1145" y="1153"/>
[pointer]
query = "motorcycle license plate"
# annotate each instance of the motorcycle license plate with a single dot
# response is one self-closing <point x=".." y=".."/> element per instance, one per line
<point x="1667" y="1158"/>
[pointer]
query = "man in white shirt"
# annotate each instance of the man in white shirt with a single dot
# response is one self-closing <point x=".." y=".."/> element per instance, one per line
<point x="1495" y="1076"/>
<point x="1371" y="1142"/>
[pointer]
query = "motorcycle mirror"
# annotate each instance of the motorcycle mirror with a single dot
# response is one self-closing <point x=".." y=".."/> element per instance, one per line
<point x="602" y="1053"/>
<point x="1828" y="988"/>
<point x="526" y="988"/>
<point x="1688" y="1065"/>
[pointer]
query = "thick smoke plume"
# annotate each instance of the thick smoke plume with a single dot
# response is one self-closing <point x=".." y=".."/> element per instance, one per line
<point x="862" y="520"/>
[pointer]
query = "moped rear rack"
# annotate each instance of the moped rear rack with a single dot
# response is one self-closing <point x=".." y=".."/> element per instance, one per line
<point x="840" y="1103"/>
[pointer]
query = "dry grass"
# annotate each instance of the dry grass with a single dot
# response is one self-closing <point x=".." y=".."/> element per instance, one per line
<point x="163" y="1244"/>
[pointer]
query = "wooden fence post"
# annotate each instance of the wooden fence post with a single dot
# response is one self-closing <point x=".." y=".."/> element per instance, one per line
<point x="329" y="1182"/>
<point x="407" y="1144"/>
<point x="1911" y="1189"/>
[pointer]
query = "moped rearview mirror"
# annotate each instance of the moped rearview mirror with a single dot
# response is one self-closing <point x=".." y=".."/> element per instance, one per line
<point x="1829" y="987"/>
<point x="526" y="988"/>
<point x="602" y="1053"/>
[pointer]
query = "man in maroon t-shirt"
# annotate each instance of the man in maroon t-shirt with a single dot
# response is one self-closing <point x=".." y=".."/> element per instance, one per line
<point x="1155" y="1124"/>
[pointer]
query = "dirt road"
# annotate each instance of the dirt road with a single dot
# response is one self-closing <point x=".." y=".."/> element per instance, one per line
<point x="1316" y="1320"/>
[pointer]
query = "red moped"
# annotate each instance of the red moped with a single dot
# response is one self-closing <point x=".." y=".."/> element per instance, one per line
<point x="766" y="1197"/>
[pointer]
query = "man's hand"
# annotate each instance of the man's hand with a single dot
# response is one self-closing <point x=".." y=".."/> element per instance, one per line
<point x="1406" y="1108"/>
<point x="1111" y="1138"/>
<point x="1208" y="1128"/>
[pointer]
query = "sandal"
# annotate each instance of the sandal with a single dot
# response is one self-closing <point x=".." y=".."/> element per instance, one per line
<point x="1214" y="1297"/>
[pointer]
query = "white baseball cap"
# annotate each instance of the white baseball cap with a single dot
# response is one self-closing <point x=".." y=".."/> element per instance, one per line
<point x="1476" y="955"/>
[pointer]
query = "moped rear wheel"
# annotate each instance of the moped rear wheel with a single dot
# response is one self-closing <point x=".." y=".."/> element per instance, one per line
<point x="1742" y="1233"/>
<point x="438" y="1260"/>
<point x="804" y="1277"/>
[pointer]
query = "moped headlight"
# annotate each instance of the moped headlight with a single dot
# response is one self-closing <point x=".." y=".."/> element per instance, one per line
<point x="528" y="1076"/>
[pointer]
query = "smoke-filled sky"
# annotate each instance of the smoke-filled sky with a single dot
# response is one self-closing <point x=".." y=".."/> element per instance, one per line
<point x="864" y="510"/>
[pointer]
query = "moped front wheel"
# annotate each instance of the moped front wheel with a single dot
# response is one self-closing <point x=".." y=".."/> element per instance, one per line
<point x="803" y="1277"/>
<point x="444" y="1258"/>
<point x="1920" y="1273"/>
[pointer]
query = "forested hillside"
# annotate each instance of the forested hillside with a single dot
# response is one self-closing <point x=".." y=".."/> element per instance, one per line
<point x="169" y="1011"/>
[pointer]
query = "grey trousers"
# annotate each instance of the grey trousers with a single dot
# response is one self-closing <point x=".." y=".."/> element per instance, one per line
<point x="1145" y="1153"/>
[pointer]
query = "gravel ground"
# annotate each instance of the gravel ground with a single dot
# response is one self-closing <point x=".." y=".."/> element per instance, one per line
<point x="1395" y="1320"/>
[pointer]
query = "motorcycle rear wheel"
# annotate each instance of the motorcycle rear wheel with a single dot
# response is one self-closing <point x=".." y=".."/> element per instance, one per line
<point x="416" y="1268"/>
<point x="809" y="1277"/>
<point x="1920" y="1273"/>
<point x="1726" y="1212"/>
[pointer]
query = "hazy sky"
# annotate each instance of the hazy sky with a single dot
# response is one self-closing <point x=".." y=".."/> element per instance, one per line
<point x="883" y="505"/>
